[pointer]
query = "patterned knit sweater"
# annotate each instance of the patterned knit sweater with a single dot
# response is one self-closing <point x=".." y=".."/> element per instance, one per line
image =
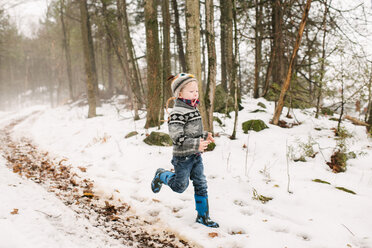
<point x="185" y="128"/>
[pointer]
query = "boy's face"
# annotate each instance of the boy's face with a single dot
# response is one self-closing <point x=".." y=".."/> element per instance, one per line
<point x="190" y="91"/>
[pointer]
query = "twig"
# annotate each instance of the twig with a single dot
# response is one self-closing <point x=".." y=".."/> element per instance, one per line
<point x="246" y="155"/>
<point x="348" y="230"/>
<point x="48" y="215"/>
<point x="228" y="158"/>
<point x="320" y="150"/>
<point x="121" y="152"/>
<point x="288" y="176"/>
<point x="254" y="152"/>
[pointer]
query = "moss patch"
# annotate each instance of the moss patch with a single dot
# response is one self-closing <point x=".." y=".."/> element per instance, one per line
<point x="258" y="110"/>
<point x="346" y="190"/>
<point x="300" y="159"/>
<point x="326" y="111"/>
<point x="218" y="120"/>
<point x="261" y="105"/>
<point x="211" y="147"/>
<point x="158" y="139"/>
<point x="338" y="162"/>
<point x="131" y="134"/>
<point x="256" y="125"/>
<point x="223" y="103"/>
<point x="320" y="181"/>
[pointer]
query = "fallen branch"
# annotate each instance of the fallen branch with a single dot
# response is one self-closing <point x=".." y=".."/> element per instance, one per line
<point x="355" y="121"/>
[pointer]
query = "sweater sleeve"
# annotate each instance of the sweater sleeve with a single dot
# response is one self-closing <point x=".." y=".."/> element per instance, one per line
<point x="176" y="127"/>
<point x="205" y="135"/>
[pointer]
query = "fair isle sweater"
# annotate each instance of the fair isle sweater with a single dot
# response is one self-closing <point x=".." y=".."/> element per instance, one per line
<point x="186" y="129"/>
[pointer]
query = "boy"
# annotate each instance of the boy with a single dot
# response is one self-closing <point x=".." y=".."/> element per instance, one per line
<point x="189" y="140"/>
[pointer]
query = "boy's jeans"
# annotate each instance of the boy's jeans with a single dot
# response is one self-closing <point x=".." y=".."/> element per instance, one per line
<point x="185" y="168"/>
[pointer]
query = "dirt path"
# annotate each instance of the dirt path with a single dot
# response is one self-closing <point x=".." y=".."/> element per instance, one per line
<point x="113" y="217"/>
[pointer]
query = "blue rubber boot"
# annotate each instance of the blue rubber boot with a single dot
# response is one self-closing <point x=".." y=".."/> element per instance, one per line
<point x="202" y="208"/>
<point x="161" y="176"/>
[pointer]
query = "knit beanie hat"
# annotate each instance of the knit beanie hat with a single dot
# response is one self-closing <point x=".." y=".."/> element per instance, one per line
<point x="179" y="81"/>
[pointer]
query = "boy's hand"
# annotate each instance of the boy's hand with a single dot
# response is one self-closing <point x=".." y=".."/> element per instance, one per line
<point x="210" y="137"/>
<point x="203" y="145"/>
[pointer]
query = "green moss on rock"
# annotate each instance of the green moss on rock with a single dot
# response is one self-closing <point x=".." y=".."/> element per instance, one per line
<point x="158" y="139"/>
<point x="222" y="99"/>
<point x="256" y="125"/>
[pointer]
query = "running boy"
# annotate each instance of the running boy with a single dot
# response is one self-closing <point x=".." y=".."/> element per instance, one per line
<point x="189" y="140"/>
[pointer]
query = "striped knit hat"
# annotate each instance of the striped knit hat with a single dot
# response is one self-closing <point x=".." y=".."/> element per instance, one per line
<point x="179" y="81"/>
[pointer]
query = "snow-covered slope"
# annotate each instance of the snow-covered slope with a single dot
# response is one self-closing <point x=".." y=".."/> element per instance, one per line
<point x="312" y="215"/>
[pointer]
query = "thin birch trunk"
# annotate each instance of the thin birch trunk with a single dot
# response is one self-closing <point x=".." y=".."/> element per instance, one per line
<point x="279" y="108"/>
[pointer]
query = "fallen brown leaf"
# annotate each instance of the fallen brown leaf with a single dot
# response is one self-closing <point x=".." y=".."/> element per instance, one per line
<point x="15" y="211"/>
<point x="213" y="234"/>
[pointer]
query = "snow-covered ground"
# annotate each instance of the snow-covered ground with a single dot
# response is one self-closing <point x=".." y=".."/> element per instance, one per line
<point x="313" y="215"/>
<point x="32" y="217"/>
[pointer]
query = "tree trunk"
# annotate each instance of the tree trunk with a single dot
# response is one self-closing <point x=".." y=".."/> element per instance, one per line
<point x="128" y="59"/>
<point x="234" y="72"/>
<point x="166" y="49"/>
<point x="342" y="101"/>
<point x="223" y="44"/>
<point x="370" y="119"/>
<point x="309" y="61"/>
<point x="258" y="44"/>
<point x="278" y="76"/>
<point x="278" y="109"/>
<point x="66" y="47"/>
<point x="369" y="109"/>
<point x="193" y="50"/>
<point x="268" y="72"/>
<point x="153" y="66"/>
<point x="212" y="64"/>
<point x="177" y="31"/>
<point x="109" y="66"/>
<point x="229" y="46"/>
<point x="89" y="61"/>
<point x="322" y="62"/>
<point x="128" y="45"/>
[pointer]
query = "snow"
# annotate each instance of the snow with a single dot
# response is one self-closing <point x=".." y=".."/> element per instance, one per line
<point x="312" y="215"/>
<point x="42" y="219"/>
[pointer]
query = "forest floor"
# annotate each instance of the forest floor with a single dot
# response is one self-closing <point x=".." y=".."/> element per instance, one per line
<point x="110" y="223"/>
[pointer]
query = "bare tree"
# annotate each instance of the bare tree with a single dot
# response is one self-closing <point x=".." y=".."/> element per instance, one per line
<point x="66" y="48"/>
<point x="279" y="107"/>
<point x="89" y="60"/>
<point x="212" y="63"/>
<point x="234" y="73"/>
<point x="193" y="50"/>
<point x="322" y="61"/>
<point x="153" y="66"/>
<point x="258" y="45"/>
<point x="177" y="30"/>
<point x="166" y="49"/>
